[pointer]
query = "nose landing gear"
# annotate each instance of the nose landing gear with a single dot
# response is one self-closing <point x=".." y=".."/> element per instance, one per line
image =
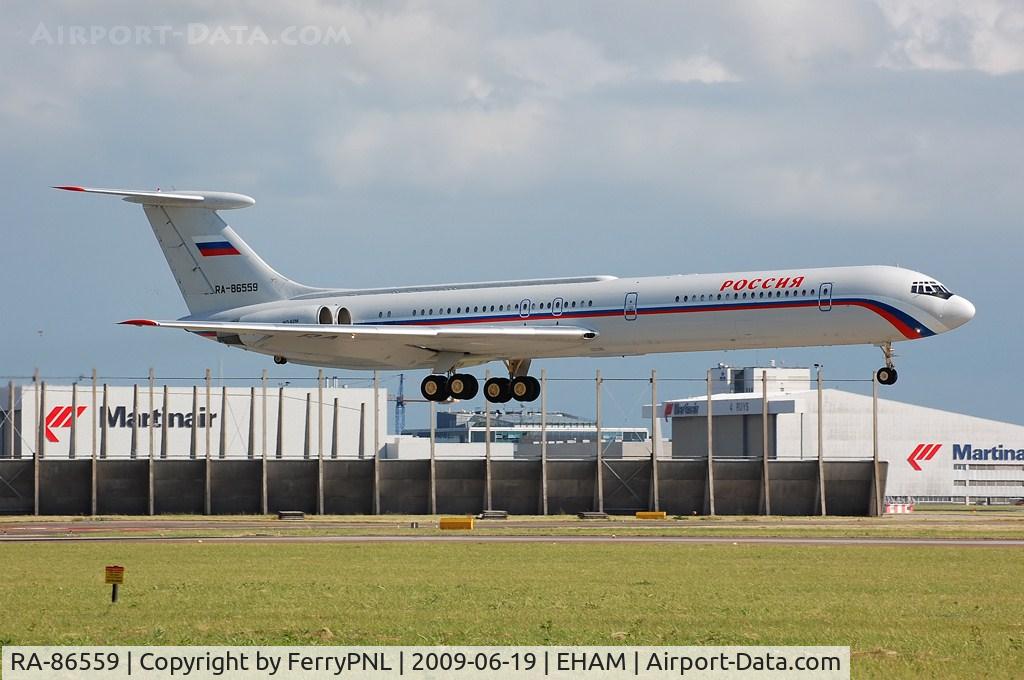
<point x="887" y="375"/>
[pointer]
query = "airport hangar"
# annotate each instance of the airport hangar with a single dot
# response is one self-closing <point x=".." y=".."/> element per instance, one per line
<point x="299" y="448"/>
<point x="931" y="455"/>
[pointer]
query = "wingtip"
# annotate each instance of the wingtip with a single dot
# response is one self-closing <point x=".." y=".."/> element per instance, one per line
<point x="137" y="322"/>
<point x="69" y="188"/>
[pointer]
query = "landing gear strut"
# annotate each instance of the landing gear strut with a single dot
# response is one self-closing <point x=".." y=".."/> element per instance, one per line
<point x="887" y="375"/>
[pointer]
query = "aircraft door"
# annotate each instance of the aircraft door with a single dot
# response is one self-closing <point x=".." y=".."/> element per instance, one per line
<point x="825" y="297"/>
<point x="629" y="308"/>
<point x="556" y="306"/>
<point x="524" y="309"/>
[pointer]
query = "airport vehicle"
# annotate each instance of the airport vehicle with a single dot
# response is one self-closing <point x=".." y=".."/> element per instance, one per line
<point x="235" y="298"/>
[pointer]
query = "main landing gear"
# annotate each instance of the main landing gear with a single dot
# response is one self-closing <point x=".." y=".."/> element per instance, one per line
<point x="463" y="386"/>
<point x="887" y="375"/>
<point x="520" y="388"/>
<point x="460" y="386"/>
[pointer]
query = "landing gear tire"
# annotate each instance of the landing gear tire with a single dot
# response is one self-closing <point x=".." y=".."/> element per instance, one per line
<point x="434" y="388"/>
<point x="280" y="360"/>
<point x="498" y="390"/>
<point x="525" y="388"/>
<point x="463" y="386"/>
<point x="886" y="376"/>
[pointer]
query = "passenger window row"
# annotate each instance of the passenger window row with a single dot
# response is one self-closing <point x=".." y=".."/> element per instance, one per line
<point x="711" y="297"/>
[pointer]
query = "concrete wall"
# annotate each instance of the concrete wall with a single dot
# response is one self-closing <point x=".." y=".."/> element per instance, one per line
<point x="72" y="480"/>
<point x="515" y="486"/>
<point x="16" y="484"/>
<point x="405" y="487"/>
<point x="460" y="486"/>
<point x="348" y="487"/>
<point x="235" y="486"/>
<point x="179" y="486"/>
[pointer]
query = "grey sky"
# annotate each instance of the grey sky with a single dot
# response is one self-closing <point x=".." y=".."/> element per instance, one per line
<point x="449" y="141"/>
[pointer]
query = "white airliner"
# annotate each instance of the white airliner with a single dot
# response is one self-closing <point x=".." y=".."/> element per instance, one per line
<point x="234" y="297"/>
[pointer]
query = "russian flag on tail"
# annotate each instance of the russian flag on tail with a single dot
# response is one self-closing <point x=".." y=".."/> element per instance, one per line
<point x="212" y="246"/>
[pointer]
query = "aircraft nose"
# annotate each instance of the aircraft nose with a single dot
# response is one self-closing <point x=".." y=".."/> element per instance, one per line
<point x="959" y="311"/>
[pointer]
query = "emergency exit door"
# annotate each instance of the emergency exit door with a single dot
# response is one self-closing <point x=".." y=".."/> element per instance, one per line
<point x="825" y="297"/>
<point x="629" y="308"/>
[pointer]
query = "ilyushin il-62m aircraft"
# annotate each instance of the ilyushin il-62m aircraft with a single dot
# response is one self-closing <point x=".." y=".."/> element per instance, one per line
<point x="237" y="299"/>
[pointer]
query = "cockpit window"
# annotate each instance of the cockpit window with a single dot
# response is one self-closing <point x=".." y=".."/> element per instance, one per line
<point x="933" y="288"/>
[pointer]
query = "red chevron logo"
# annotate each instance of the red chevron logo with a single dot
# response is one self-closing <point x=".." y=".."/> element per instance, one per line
<point x="59" y="416"/>
<point x="921" y="453"/>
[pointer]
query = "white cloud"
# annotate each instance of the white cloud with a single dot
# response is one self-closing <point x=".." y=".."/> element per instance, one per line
<point x="558" y="63"/>
<point x="446" y="98"/>
<point x="441" y="149"/>
<point x="800" y="39"/>
<point x="697" y="69"/>
<point x="953" y="35"/>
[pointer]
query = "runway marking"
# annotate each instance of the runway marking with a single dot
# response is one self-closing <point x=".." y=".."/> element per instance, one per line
<point x="734" y="540"/>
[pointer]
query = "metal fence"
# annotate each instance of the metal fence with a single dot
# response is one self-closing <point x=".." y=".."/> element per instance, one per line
<point x="258" y="431"/>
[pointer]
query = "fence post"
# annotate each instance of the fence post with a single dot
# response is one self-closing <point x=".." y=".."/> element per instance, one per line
<point x="376" y="443"/>
<point x="10" y="421"/>
<point x="320" y="413"/>
<point x="874" y="445"/>
<point x="163" y="430"/>
<point x="207" y="421"/>
<point x="766" y="490"/>
<point x="335" y="432"/>
<point x="193" y="444"/>
<point x="95" y="416"/>
<point x="104" y="425"/>
<point x="307" y="432"/>
<point x="600" y="444"/>
<point x="150" y="470"/>
<point x="222" y="440"/>
<point x="711" y="452"/>
<point x="72" y="443"/>
<point x="279" y="453"/>
<point x="655" y="441"/>
<point x="433" y="457"/>
<point x="487" y="447"/>
<point x="152" y="411"/>
<point x="207" y="493"/>
<point x="95" y="451"/>
<point x="250" y="450"/>
<point x="543" y="441"/>
<point x="41" y="423"/>
<point x="821" y="438"/>
<point x="320" y="453"/>
<point x="263" y="388"/>
<point x="133" y="449"/>
<point x="35" y="398"/>
<point x="362" y="430"/>
<point x="41" y="447"/>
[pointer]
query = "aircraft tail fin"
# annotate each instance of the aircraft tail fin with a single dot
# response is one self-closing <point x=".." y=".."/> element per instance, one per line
<point x="215" y="269"/>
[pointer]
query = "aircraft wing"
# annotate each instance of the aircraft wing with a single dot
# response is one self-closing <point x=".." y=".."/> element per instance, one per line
<point x="484" y="341"/>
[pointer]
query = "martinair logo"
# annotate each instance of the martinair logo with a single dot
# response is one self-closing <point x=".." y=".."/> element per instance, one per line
<point x="921" y="453"/>
<point x="59" y="416"/>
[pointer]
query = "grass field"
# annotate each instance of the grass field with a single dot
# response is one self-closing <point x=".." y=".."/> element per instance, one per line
<point x="918" y="612"/>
